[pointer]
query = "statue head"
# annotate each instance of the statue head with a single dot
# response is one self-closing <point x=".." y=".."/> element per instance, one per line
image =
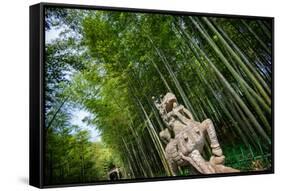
<point x="165" y="105"/>
<point x="169" y="100"/>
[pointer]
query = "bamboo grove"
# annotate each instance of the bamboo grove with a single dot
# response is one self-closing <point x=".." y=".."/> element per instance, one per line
<point x="111" y="64"/>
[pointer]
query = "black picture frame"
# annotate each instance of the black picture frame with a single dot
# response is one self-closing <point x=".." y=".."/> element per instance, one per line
<point x="37" y="93"/>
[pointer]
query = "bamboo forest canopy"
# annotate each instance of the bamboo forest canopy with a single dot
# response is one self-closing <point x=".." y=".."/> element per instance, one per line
<point x="109" y="64"/>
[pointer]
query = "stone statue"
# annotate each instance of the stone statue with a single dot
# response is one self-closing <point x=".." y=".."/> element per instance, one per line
<point x="185" y="138"/>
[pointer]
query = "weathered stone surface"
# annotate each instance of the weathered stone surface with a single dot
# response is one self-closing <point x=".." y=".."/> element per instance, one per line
<point x="185" y="138"/>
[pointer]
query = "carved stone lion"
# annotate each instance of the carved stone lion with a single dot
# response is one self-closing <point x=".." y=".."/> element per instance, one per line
<point x="185" y="139"/>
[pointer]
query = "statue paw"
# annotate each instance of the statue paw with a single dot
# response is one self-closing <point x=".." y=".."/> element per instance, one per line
<point x="217" y="160"/>
<point x="217" y="151"/>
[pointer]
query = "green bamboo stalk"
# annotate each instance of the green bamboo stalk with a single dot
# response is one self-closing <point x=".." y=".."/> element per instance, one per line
<point x="245" y="59"/>
<point x="257" y="37"/>
<point x="161" y="76"/>
<point x="234" y="94"/>
<point x="265" y="29"/>
<point x="174" y="78"/>
<point x="214" y="94"/>
<point x="156" y="141"/>
<point x="225" y="61"/>
<point x="140" y="146"/>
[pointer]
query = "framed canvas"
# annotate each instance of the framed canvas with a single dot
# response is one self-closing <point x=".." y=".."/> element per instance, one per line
<point x="122" y="95"/>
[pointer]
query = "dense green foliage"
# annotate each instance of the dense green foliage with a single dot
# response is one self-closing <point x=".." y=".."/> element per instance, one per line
<point x="111" y="64"/>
